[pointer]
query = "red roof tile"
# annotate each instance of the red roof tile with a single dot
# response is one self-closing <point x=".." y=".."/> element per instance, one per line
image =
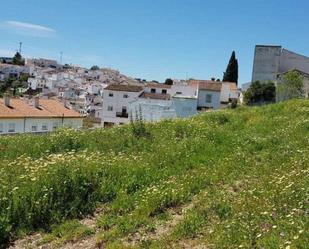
<point x="155" y="96"/>
<point x="158" y="85"/>
<point x="124" y="88"/>
<point x="211" y="85"/>
<point x="48" y="108"/>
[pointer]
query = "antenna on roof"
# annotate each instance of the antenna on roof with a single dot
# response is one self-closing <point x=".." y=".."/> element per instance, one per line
<point x="20" y="44"/>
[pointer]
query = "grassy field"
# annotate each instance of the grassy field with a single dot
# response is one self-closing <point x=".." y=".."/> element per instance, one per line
<point x="227" y="179"/>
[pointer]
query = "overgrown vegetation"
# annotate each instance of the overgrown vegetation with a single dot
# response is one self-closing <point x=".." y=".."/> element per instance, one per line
<point x="244" y="173"/>
<point x="260" y="93"/>
<point x="292" y="86"/>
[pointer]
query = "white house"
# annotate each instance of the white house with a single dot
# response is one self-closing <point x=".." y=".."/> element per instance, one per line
<point x="35" y="116"/>
<point x="9" y="70"/>
<point x="116" y="99"/>
<point x="158" y="88"/>
<point x="152" y="107"/>
<point x="161" y="101"/>
<point x="229" y="92"/>
<point x="213" y="94"/>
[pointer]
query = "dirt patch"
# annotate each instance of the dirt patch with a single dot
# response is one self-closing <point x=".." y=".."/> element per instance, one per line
<point x="161" y="228"/>
<point x="35" y="241"/>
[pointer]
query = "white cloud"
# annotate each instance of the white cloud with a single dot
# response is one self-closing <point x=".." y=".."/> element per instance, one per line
<point x="24" y="25"/>
<point x="29" y="29"/>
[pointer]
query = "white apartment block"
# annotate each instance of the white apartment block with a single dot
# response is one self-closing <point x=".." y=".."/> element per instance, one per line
<point x="116" y="99"/>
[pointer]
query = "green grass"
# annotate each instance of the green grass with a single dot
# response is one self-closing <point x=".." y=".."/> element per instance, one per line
<point x="246" y="172"/>
<point x="69" y="231"/>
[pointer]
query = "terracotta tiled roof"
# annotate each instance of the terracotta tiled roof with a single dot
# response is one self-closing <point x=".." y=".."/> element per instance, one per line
<point x="49" y="108"/>
<point x="206" y="85"/>
<point x="155" y="96"/>
<point x="158" y="85"/>
<point x="124" y="88"/>
<point x="233" y="86"/>
<point x="211" y="85"/>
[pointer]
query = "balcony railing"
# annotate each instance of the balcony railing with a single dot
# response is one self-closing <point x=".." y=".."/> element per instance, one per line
<point x="122" y="115"/>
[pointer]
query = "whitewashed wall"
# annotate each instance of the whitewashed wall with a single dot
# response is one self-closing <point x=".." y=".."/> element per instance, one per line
<point x="24" y="125"/>
<point x="117" y="102"/>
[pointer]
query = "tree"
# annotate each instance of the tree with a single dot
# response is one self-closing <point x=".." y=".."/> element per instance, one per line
<point x="260" y="93"/>
<point x="18" y="59"/>
<point x="95" y="67"/>
<point x="292" y="86"/>
<point x="169" y="82"/>
<point x="231" y="73"/>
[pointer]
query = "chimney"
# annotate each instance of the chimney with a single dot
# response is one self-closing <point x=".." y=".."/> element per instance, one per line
<point x="7" y="100"/>
<point x="66" y="104"/>
<point x="36" y="102"/>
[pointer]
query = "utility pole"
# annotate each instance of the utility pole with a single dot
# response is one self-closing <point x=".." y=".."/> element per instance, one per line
<point x="20" y="44"/>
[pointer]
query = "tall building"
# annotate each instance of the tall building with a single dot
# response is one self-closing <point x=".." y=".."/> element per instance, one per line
<point x="269" y="61"/>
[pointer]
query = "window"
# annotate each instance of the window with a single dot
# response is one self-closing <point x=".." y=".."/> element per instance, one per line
<point x="111" y="95"/>
<point x="44" y="127"/>
<point x="153" y="90"/>
<point x="178" y="92"/>
<point x="34" y="127"/>
<point x="11" y="127"/>
<point x="110" y="108"/>
<point x="208" y="98"/>
<point x="55" y="126"/>
<point x="125" y="96"/>
<point x="164" y="91"/>
<point x="1" y="128"/>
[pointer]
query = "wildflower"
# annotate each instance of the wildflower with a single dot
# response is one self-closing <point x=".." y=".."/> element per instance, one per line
<point x="16" y="188"/>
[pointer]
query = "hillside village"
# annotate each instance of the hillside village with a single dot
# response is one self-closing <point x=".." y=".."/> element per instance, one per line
<point x="154" y="124"/>
<point x="106" y="98"/>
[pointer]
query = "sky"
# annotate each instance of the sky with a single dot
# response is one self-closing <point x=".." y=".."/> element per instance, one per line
<point x="154" y="39"/>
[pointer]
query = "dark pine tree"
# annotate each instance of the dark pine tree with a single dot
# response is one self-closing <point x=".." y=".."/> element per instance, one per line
<point x="231" y="73"/>
<point x="18" y="59"/>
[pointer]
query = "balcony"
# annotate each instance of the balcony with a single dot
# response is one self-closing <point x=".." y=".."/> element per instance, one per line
<point x="122" y="115"/>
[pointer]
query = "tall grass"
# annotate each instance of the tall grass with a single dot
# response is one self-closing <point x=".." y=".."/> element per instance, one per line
<point x="45" y="180"/>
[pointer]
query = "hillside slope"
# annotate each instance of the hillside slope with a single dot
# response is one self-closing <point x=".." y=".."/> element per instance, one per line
<point x="226" y="179"/>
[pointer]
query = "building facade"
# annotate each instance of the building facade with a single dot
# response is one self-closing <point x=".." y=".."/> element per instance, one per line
<point x="116" y="100"/>
<point x="269" y="61"/>
<point x="35" y="116"/>
<point x="213" y="94"/>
